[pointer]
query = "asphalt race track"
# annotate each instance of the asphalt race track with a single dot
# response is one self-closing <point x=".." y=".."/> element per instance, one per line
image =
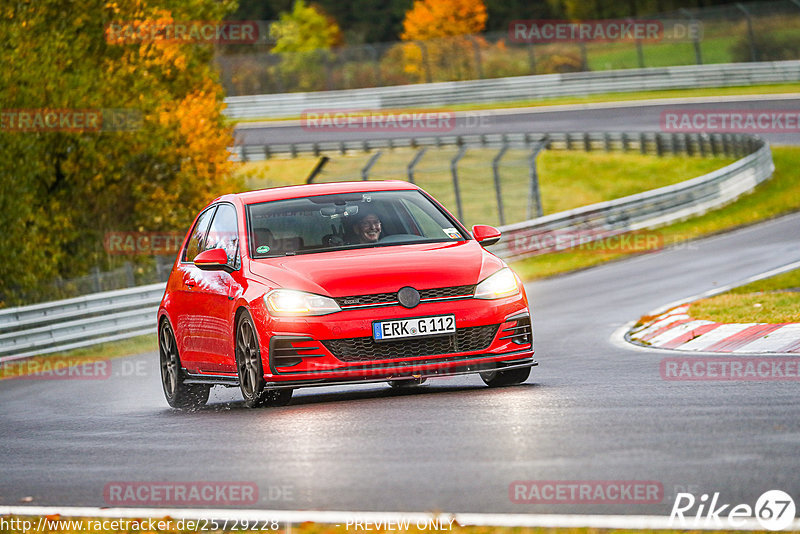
<point x="592" y="410"/>
<point x="609" y="117"/>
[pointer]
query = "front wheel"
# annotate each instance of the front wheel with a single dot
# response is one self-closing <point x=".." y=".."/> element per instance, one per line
<point x="251" y="369"/>
<point x="178" y="393"/>
<point x="506" y="378"/>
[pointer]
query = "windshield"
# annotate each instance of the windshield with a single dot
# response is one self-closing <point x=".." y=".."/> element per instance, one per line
<point x="352" y="220"/>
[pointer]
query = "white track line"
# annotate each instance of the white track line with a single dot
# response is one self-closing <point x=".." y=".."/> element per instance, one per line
<point x="343" y="517"/>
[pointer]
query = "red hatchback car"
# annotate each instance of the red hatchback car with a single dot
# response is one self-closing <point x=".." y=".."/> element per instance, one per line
<point x="339" y="283"/>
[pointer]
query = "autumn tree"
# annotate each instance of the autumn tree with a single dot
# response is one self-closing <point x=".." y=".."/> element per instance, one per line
<point x="304" y="36"/>
<point x="63" y="190"/>
<point x="438" y="29"/>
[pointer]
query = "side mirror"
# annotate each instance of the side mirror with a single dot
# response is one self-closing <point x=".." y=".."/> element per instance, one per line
<point x="485" y="235"/>
<point x="212" y="260"/>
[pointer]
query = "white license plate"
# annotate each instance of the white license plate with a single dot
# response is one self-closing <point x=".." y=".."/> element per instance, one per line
<point x="417" y="327"/>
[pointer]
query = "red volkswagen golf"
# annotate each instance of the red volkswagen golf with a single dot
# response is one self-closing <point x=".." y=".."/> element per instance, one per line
<point x="337" y="283"/>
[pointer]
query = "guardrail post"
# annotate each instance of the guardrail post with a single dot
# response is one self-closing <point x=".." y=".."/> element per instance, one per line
<point x="625" y="142"/>
<point x="454" y="171"/>
<point x="370" y="163"/>
<point x="642" y="144"/>
<point x="750" y="35"/>
<point x="535" y="195"/>
<point x="696" y="40"/>
<point x="726" y="144"/>
<point x="417" y="157"/>
<point x="687" y="141"/>
<point x="659" y="146"/>
<point x="607" y="141"/>
<point x="267" y="152"/>
<point x="497" y="191"/>
<point x="587" y="142"/>
<point x="293" y="150"/>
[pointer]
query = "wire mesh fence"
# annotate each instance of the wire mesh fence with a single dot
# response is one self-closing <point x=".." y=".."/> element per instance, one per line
<point x="756" y="31"/>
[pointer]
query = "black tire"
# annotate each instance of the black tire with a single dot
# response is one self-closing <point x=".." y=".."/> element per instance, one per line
<point x="407" y="384"/>
<point x="511" y="377"/>
<point x="251" y="369"/>
<point x="178" y="393"/>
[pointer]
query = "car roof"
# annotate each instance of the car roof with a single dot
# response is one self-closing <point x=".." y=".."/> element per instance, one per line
<point x="300" y="191"/>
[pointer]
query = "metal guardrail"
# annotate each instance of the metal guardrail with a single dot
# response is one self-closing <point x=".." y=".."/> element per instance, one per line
<point x="649" y="209"/>
<point x="515" y="88"/>
<point x="78" y="322"/>
<point x="113" y="315"/>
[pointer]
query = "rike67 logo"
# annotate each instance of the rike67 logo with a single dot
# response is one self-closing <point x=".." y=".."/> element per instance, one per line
<point x="774" y="510"/>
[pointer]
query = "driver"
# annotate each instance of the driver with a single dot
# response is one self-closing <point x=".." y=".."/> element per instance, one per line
<point x="368" y="228"/>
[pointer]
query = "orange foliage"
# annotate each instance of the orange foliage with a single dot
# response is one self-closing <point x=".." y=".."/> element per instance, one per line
<point x="430" y="19"/>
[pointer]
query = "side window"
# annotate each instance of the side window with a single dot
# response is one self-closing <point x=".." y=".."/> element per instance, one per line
<point x="195" y="244"/>
<point x="224" y="233"/>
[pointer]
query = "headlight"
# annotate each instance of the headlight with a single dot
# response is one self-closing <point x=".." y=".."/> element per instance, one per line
<point x="291" y="302"/>
<point x="501" y="284"/>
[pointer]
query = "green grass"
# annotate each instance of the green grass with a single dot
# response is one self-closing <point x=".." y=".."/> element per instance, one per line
<point x="777" y="196"/>
<point x="567" y="179"/>
<point x="772" y="300"/>
<point x="779" y="88"/>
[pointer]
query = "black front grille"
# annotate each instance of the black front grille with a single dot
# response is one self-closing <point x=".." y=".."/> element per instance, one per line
<point x="361" y="349"/>
<point x="388" y="298"/>
<point x="444" y="292"/>
<point x="361" y="300"/>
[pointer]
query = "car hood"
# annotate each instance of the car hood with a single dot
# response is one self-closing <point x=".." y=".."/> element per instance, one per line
<point x="380" y="269"/>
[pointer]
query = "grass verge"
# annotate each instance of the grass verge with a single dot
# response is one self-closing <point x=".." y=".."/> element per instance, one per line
<point x="772" y="300"/>
<point x="777" y="196"/>
<point x="51" y="365"/>
<point x="567" y="179"/>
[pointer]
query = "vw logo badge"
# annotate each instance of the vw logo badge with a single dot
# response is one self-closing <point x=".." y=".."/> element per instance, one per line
<point x="408" y="297"/>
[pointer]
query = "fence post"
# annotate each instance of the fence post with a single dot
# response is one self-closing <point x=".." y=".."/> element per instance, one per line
<point x="317" y="169"/>
<point x="454" y="171"/>
<point x="750" y="35"/>
<point x="129" y="274"/>
<point x="368" y="166"/>
<point x="478" y="65"/>
<point x="376" y="61"/>
<point x="425" y="60"/>
<point x="535" y="195"/>
<point x="696" y="40"/>
<point x="497" y="190"/>
<point x="417" y="157"/>
<point x="532" y="57"/>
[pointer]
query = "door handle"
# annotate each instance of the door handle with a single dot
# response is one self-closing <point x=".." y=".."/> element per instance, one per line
<point x="190" y="283"/>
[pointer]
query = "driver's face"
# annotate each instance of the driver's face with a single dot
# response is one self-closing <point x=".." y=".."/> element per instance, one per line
<point x="369" y="229"/>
